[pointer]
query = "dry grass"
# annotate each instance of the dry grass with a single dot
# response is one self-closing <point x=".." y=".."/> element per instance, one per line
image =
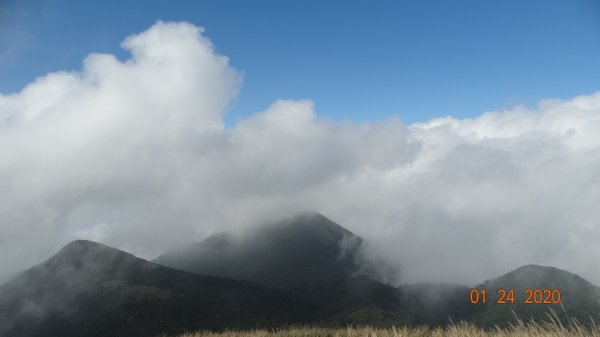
<point x="551" y="328"/>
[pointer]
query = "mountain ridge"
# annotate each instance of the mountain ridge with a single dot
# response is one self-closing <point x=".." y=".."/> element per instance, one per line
<point x="90" y="289"/>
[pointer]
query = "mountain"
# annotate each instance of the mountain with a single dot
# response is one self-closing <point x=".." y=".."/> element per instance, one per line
<point x="314" y="258"/>
<point x="579" y="298"/>
<point x="311" y="256"/>
<point x="88" y="289"/>
<point x="300" y="251"/>
<point x="307" y="255"/>
<point x="304" y="269"/>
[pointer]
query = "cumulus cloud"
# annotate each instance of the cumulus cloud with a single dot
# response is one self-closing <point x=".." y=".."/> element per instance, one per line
<point x="135" y="154"/>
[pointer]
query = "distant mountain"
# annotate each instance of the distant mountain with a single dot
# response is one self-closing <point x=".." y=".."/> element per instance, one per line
<point x="88" y="289"/>
<point x="307" y="255"/>
<point x="579" y="298"/>
<point x="303" y="251"/>
<point x="304" y="269"/>
<point x="313" y="257"/>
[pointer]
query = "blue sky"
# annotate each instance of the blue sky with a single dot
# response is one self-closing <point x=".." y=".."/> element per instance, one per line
<point x="357" y="60"/>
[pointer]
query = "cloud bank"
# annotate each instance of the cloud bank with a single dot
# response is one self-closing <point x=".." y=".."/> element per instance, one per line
<point x="135" y="154"/>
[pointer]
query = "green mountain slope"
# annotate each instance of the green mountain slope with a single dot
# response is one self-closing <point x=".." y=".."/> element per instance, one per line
<point x="88" y="289"/>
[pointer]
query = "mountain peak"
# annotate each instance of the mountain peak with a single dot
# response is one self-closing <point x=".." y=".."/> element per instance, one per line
<point x="578" y="297"/>
<point x="314" y="224"/>
<point x="83" y="251"/>
<point x="306" y="248"/>
<point x="538" y="273"/>
<point x="89" y="261"/>
<point x="314" y="215"/>
<point x="311" y="216"/>
<point x="80" y="245"/>
<point x="534" y="276"/>
<point x="536" y="267"/>
<point x="90" y="289"/>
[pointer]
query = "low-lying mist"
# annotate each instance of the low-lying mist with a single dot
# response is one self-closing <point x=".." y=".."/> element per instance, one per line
<point x="135" y="154"/>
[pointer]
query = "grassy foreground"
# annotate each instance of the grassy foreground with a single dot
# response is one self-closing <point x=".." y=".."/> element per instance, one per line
<point x="551" y="328"/>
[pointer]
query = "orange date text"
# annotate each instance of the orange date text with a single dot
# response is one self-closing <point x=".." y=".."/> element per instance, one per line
<point x="507" y="296"/>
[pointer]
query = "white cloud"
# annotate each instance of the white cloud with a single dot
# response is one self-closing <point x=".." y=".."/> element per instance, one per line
<point x="135" y="153"/>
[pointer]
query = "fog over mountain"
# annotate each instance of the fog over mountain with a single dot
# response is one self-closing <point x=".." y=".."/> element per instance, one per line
<point x="305" y="269"/>
<point x="134" y="153"/>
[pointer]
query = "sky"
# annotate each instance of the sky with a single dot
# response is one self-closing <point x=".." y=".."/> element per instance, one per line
<point x="156" y="128"/>
<point x="359" y="60"/>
